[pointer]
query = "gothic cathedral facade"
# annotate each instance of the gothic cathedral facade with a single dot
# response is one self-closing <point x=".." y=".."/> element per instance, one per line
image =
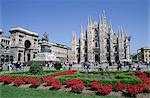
<point x="99" y="43"/>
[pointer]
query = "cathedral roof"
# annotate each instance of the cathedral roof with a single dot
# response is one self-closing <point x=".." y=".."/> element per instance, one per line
<point x="23" y="30"/>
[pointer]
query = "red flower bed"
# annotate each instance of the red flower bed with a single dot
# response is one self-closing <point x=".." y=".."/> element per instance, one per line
<point x="35" y="82"/>
<point x="95" y="85"/>
<point x="71" y="82"/>
<point x="77" y="88"/>
<point x="100" y="89"/>
<point x="146" y="87"/>
<point x="141" y="75"/>
<point x="119" y="86"/>
<point x="131" y="90"/>
<point x="76" y="85"/>
<point x="6" y="79"/>
<point x="145" y="80"/>
<point x="105" y="90"/>
<point x="1" y="78"/>
<point x="65" y="73"/>
<point x="139" y="88"/>
<point x="48" y="80"/>
<point x="18" y="81"/>
<point x="27" y="80"/>
<point x="56" y="84"/>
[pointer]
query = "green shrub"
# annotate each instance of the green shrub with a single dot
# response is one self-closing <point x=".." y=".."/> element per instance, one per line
<point x="57" y="66"/>
<point x="109" y="81"/>
<point x="36" y="69"/>
<point x="27" y="74"/>
<point x="123" y="76"/>
<point x="131" y="81"/>
<point x="99" y="72"/>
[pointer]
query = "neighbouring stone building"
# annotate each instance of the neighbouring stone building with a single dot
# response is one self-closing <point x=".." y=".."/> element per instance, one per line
<point x="60" y="51"/>
<point x="23" y="45"/>
<point x="5" y="52"/>
<point x="143" y="55"/>
<point x="99" y="43"/>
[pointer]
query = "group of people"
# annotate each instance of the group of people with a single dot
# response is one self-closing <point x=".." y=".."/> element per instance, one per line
<point x="19" y="66"/>
<point x="12" y="66"/>
<point x="125" y="66"/>
<point x="58" y="65"/>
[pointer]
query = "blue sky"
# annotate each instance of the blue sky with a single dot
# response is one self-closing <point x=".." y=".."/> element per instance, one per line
<point x="62" y="17"/>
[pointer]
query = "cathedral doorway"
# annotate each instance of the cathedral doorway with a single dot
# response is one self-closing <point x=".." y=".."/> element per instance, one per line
<point x="96" y="58"/>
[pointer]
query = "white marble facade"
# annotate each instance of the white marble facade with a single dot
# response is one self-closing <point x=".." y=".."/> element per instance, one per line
<point x="99" y="43"/>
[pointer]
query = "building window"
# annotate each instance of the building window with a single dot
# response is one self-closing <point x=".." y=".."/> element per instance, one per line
<point x="7" y="58"/>
<point x="20" y="36"/>
<point x="2" y="58"/>
<point x="20" y="39"/>
<point x="11" y="58"/>
<point x="28" y="57"/>
<point x="34" y="56"/>
<point x="19" y="56"/>
<point x="96" y="44"/>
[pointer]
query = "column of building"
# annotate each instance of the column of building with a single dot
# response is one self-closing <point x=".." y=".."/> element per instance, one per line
<point x="127" y="44"/>
<point x="90" y="42"/>
<point x="103" y="38"/>
<point x="121" y="45"/>
<point x="82" y="45"/>
<point x="112" y="48"/>
<point x="74" y="48"/>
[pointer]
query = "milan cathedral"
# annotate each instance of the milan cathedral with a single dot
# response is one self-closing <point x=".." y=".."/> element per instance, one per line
<point x="99" y="43"/>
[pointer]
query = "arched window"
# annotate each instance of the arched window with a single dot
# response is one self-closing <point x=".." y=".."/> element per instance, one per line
<point x="7" y="58"/>
<point x="34" y="55"/>
<point x="2" y="58"/>
<point x="19" y="56"/>
<point x="11" y="58"/>
<point x="27" y="44"/>
<point x="96" y="58"/>
<point x="96" y="44"/>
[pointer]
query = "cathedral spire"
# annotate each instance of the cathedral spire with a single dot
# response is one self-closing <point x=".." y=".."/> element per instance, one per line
<point x="89" y="20"/>
<point x="81" y="29"/>
<point x="104" y="14"/>
<point x="103" y="17"/>
<point x="73" y="35"/>
<point x="122" y="31"/>
<point x="119" y="31"/>
<point x="110" y="25"/>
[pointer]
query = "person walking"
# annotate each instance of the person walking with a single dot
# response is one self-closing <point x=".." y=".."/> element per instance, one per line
<point x="70" y="66"/>
<point x="10" y="67"/>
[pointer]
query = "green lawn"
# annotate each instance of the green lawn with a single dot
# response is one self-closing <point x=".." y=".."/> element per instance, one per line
<point x="13" y="92"/>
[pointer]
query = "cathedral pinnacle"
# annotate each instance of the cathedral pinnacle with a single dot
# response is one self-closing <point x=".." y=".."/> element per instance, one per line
<point x="81" y="29"/>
